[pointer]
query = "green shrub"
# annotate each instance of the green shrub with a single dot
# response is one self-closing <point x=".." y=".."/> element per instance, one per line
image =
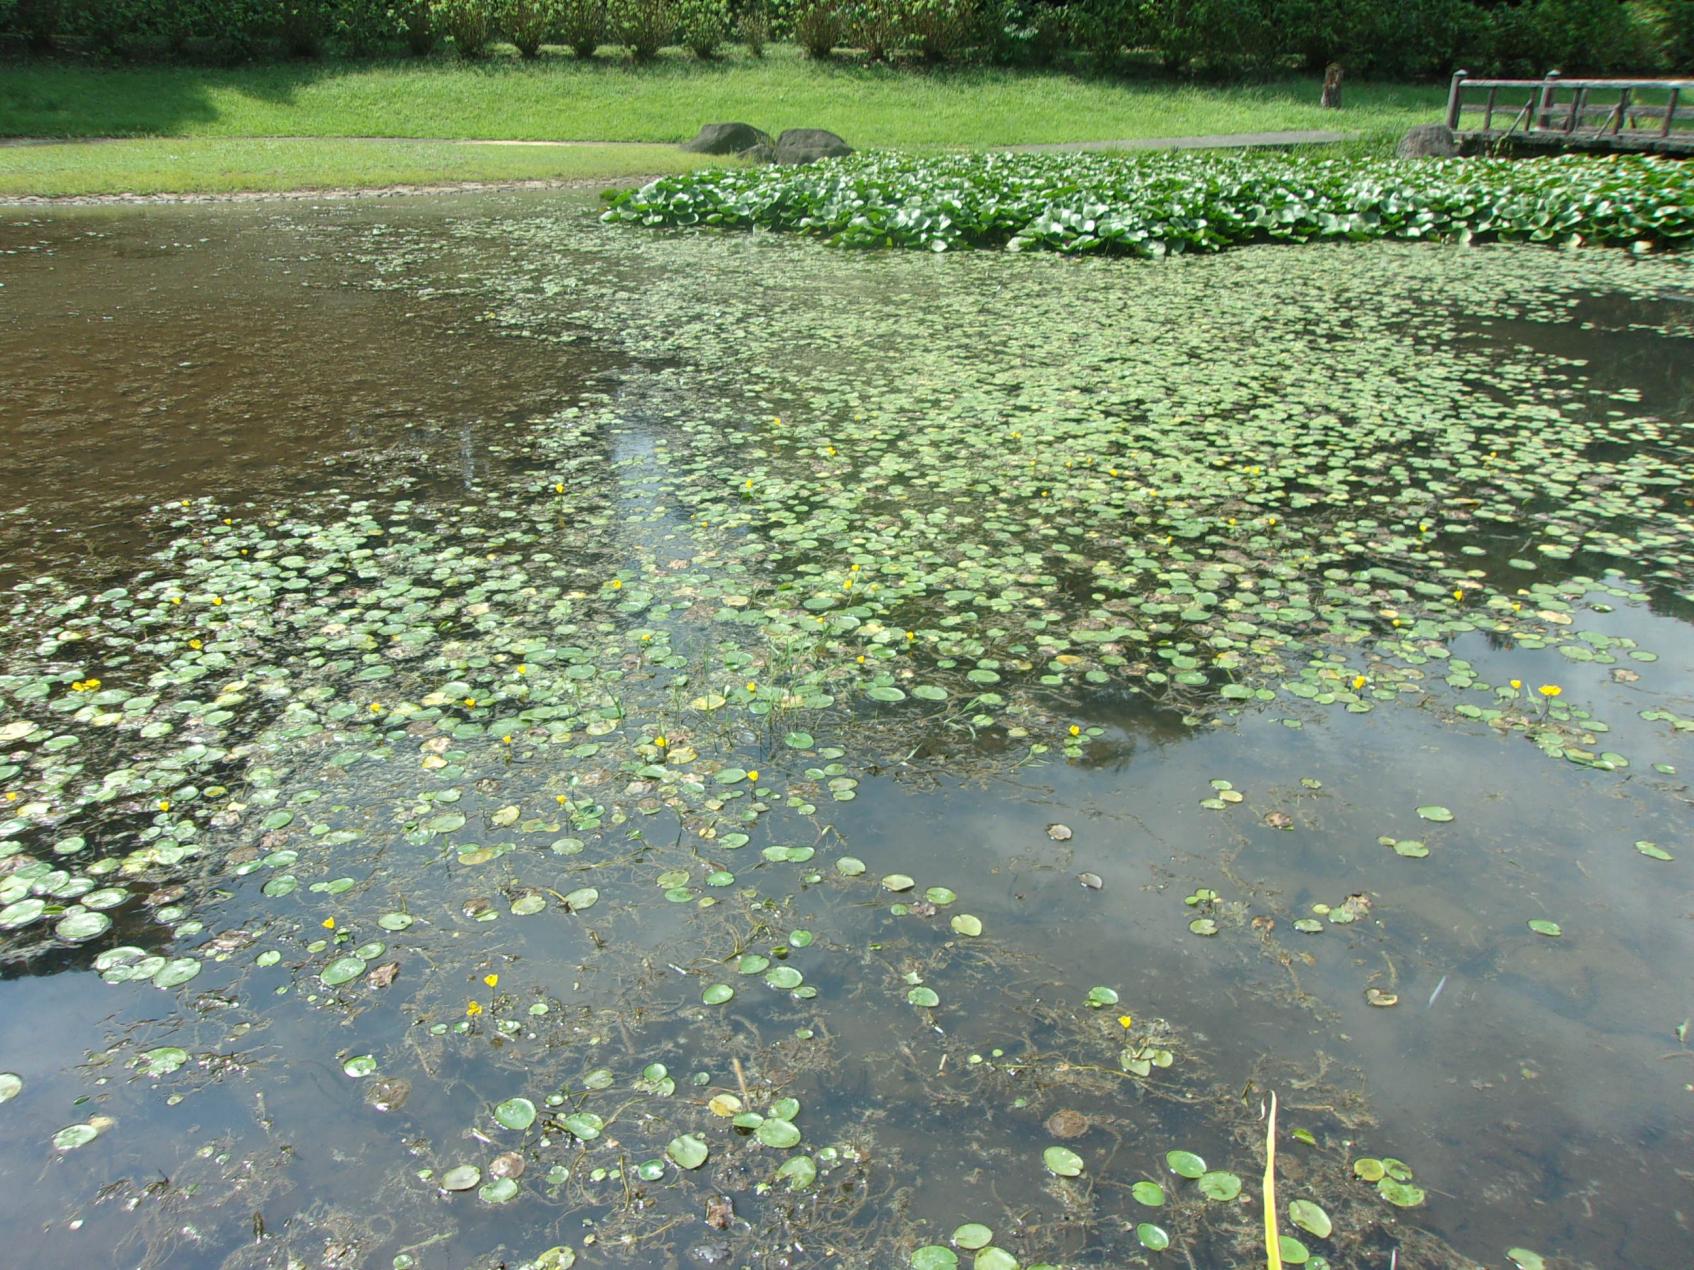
<point x="703" y="25"/>
<point x="582" y="25"/>
<point x="755" y="27"/>
<point x="818" y="28"/>
<point x="1102" y="29"/>
<point x="528" y="23"/>
<point x="877" y="26"/>
<point x="302" y="26"/>
<point x="418" y="26"/>
<point x="468" y="23"/>
<point x="364" y="27"/>
<point x="1673" y="21"/>
<point x="643" y="26"/>
<point x="944" y="29"/>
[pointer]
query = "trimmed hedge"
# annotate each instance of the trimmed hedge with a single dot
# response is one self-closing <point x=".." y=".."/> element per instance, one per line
<point x="1396" y="39"/>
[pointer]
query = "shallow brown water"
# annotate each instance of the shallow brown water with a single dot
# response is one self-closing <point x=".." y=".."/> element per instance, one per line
<point x="322" y="364"/>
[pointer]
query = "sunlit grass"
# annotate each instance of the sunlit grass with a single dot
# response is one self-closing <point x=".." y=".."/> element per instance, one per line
<point x="220" y="165"/>
<point x="609" y="99"/>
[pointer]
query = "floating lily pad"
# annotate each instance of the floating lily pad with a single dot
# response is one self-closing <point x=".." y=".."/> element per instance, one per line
<point x="777" y="1133"/>
<point x="1062" y="1161"/>
<point x="1310" y="1218"/>
<point x="342" y="970"/>
<point x="1185" y="1164"/>
<point x="515" y="1113"/>
<point x="687" y="1151"/>
<point x="1219" y="1185"/>
<point x="1149" y="1193"/>
<point x="1435" y="812"/>
<point x="717" y="994"/>
<point x="934" y="1257"/>
<point x="1541" y="926"/>
<point x="973" y="1235"/>
<point x="1152" y="1237"/>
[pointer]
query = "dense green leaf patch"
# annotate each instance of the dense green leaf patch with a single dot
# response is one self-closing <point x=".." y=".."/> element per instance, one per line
<point x="1161" y="204"/>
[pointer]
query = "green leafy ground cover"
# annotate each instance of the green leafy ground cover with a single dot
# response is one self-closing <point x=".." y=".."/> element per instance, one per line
<point x="517" y="802"/>
<point x="1154" y="205"/>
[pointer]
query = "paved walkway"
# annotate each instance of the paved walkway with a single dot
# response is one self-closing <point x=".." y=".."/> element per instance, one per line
<point x="1219" y="141"/>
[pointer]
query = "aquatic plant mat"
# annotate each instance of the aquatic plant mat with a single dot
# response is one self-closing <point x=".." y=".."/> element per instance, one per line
<point x="1155" y="205"/>
<point x="846" y="760"/>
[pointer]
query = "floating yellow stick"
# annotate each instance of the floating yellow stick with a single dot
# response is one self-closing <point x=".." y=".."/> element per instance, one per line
<point x="1273" y="1245"/>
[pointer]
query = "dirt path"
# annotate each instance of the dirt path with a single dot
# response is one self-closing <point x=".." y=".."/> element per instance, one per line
<point x="1217" y="141"/>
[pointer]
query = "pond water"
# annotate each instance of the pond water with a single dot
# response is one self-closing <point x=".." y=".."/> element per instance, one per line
<point x="531" y="743"/>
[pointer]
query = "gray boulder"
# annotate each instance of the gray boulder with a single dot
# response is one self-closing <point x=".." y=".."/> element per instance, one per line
<point x="728" y="138"/>
<point x="1429" y="141"/>
<point x="807" y="145"/>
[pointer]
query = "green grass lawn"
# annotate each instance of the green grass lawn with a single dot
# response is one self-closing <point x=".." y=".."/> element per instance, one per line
<point x="607" y="99"/>
<point x="220" y="165"/>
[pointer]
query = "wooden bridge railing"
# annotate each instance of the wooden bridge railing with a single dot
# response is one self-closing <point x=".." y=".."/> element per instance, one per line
<point x="1642" y="111"/>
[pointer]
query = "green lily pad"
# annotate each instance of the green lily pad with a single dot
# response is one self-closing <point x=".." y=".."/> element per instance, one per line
<point x="1435" y="812"/>
<point x="777" y="1133"/>
<point x="717" y="994"/>
<point x="1219" y="1185"/>
<point x="1185" y="1164"/>
<point x="1541" y="926"/>
<point x="342" y="970"/>
<point x="515" y="1113"/>
<point x="1310" y="1218"/>
<point x="1149" y="1193"/>
<point x="1062" y="1161"/>
<point x="462" y="1177"/>
<point x="934" y="1257"/>
<point x="1153" y="1238"/>
<point x="973" y="1235"/>
<point x="687" y="1151"/>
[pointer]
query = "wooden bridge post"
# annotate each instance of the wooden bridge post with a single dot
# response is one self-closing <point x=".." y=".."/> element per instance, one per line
<point x="1549" y="86"/>
<point x="1670" y="112"/>
<point x="1453" y="91"/>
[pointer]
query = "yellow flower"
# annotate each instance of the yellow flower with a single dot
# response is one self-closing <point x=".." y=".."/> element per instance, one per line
<point x="507" y="739"/>
<point x="753" y="775"/>
<point x="1358" y="682"/>
<point x="217" y="599"/>
<point x="853" y="568"/>
<point x="776" y="422"/>
<point x="1459" y="596"/>
<point x="329" y="923"/>
<point x="661" y="741"/>
<point x="176" y="599"/>
<point x="831" y="451"/>
<point x="376" y="707"/>
<point x="493" y="981"/>
<point x="560" y="799"/>
<point x="1126" y="1020"/>
<point x="1516" y="684"/>
<point x="1550" y="690"/>
<point x="164" y="804"/>
<point x="558" y="487"/>
<point x="911" y="635"/>
<point x="470" y="701"/>
<point x="11" y="795"/>
<point x="1075" y="731"/>
<point x="473" y="1008"/>
<point x="752" y="686"/>
<point x="617" y="584"/>
<point x="522" y="669"/>
<point x="195" y="644"/>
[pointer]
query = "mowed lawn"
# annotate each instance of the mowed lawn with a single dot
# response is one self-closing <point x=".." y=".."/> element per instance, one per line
<point x="608" y="99"/>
